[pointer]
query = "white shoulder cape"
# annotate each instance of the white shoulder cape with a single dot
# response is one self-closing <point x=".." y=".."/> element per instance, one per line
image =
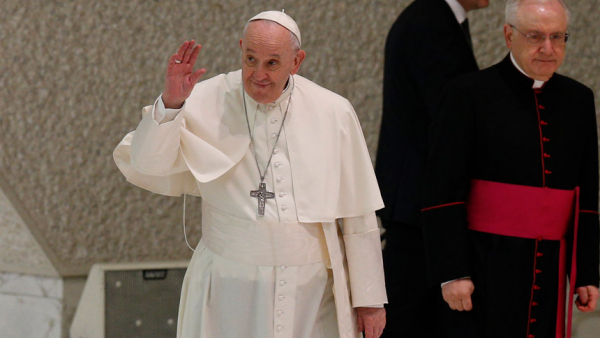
<point x="332" y="172"/>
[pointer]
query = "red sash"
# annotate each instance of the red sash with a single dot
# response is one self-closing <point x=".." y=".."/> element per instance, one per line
<point x="530" y="212"/>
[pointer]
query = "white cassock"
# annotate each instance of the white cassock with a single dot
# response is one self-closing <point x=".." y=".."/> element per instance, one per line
<point x="297" y="271"/>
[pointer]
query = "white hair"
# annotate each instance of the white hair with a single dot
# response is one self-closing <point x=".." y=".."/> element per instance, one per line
<point x="512" y="7"/>
<point x="293" y="37"/>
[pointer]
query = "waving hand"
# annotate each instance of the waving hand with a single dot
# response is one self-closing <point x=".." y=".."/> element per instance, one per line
<point x="181" y="77"/>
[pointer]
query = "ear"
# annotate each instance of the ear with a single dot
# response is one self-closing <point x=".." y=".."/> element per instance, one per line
<point x="241" y="43"/>
<point x="300" y="56"/>
<point x="508" y="35"/>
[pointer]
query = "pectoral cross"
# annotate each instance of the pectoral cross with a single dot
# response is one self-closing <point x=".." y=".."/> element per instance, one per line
<point x="262" y="194"/>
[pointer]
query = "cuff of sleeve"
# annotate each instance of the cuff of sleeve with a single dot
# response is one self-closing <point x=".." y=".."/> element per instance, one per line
<point x="450" y="281"/>
<point x="365" y="268"/>
<point x="162" y="115"/>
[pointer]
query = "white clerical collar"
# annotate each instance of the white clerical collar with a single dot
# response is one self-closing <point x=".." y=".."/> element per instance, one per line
<point x="536" y="83"/>
<point x="458" y="10"/>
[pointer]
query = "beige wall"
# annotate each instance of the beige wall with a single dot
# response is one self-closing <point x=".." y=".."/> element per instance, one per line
<point x="75" y="74"/>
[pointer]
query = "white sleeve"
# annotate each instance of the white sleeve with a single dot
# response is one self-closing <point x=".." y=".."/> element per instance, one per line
<point x="365" y="263"/>
<point x="164" y="115"/>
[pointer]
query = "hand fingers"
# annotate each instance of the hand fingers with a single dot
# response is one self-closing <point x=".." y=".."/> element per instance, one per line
<point x="361" y="326"/>
<point x="593" y="302"/>
<point x="451" y="304"/>
<point x="181" y="51"/>
<point x="188" y="52"/>
<point x="174" y="59"/>
<point x="467" y="304"/>
<point x="197" y="75"/>
<point x="380" y="331"/>
<point x="459" y="305"/>
<point x="370" y="331"/>
<point x="588" y="306"/>
<point x="583" y="307"/>
<point x="194" y="55"/>
<point x="583" y="295"/>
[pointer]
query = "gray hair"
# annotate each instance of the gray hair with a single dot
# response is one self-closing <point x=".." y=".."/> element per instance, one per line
<point x="293" y="37"/>
<point x="512" y="6"/>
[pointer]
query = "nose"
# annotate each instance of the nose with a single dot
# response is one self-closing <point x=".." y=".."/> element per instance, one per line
<point x="546" y="47"/>
<point x="260" y="73"/>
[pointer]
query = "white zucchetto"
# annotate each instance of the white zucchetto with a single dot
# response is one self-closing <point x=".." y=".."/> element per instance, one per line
<point x="282" y="19"/>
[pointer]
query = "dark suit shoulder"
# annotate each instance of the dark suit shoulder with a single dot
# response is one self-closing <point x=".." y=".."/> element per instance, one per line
<point x="571" y="86"/>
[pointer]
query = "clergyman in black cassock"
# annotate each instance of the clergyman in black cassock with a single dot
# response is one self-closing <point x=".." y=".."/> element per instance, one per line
<point x="515" y="127"/>
<point x="425" y="48"/>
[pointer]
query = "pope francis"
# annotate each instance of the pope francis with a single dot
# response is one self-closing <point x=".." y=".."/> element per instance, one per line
<point x="290" y="245"/>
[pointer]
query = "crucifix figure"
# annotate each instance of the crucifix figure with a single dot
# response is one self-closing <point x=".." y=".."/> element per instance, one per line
<point x="262" y="194"/>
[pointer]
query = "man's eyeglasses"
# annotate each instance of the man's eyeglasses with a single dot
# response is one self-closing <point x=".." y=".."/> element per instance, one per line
<point x="537" y="38"/>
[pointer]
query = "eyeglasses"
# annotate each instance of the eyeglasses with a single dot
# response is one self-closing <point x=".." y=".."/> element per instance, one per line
<point x="537" y="38"/>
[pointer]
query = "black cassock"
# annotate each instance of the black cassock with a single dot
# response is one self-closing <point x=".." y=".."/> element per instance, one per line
<point x="494" y="126"/>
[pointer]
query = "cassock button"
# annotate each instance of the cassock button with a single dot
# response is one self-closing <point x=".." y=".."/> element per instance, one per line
<point x="543" y="123"/>
<point x="547" y="172"/>
<point x="282" y="282"/>
<point x="279" y="313"/>
<point x="539" y="254"/>
<point x="534" y="304"/>
<point x="547" y="155"/>
<point x="535" y="287"/>
<point x="273" y="120"/>
<point x="279" y="327"/>
<point x="277" y="164"/>
<point x="275" y="151"/>
<point x="284" y="208"/>
<point x="274" y="136"/>
<point x="282" y="268"/>
<point x="279" y="179"/>
<point x="281" y="194"/>
<point x="281" y="297"/>
<point x="541" y="107"/>
<point x="538" y="271"/>
<point x="531" y="336"/>
<point x="545" y="139"/>
<point x="533" y="320"/>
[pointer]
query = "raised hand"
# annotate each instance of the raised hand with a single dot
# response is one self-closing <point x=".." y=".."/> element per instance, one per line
<point x="181" y="77"/>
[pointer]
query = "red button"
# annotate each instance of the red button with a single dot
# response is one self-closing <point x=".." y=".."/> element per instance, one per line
<point x="535" y="287"/>
<point x="547" y="172"/>
<point x="538" y="271"/>
<point x="533" y="320"/>
<point x="534" y="304"/>
<point x="537" y="91"/>
<point x="545" y="139"/>
<point x="539" y="254"/>
<point x="546" y="155"/>
<point x="531" y="336"/>
<point x="541" y="107"/>
<point x="543" y="123"/>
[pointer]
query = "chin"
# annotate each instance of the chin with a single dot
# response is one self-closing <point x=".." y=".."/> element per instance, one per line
<point x="260" y="97"/>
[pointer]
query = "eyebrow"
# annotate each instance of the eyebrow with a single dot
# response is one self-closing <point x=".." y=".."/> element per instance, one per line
<point x="272" y="55"/>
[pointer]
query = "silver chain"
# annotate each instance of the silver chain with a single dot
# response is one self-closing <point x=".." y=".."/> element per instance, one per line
<point x="263" y="174"/>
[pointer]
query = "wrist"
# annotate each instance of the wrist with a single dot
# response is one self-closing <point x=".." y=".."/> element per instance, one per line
<point x="172" y="104"/>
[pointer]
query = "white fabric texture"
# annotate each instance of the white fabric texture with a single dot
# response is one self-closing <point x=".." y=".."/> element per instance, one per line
<point x="321" y="172"/>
